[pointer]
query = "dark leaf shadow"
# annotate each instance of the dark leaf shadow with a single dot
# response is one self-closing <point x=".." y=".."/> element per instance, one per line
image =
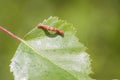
<point x="52" y="35"/>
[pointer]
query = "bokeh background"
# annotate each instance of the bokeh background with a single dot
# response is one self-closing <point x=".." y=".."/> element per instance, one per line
<point x="97" y="23"/>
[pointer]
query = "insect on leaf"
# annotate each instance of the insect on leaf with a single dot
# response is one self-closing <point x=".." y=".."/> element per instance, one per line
<point x="46" y="55"/>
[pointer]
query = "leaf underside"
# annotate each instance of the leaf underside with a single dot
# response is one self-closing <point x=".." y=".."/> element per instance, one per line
<point x="45" y="55"/>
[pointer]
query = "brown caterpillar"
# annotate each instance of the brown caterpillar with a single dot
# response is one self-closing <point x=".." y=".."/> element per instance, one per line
<point x="46" y="27"/>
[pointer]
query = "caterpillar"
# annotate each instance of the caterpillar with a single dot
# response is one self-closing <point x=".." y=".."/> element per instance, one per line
<point x="46" y="27"/>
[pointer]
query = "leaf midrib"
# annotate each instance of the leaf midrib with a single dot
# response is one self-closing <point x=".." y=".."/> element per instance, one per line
<point x="23" y="41"/>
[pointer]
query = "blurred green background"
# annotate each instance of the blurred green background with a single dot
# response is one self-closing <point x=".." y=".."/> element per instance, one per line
<point x="97" y="23"/>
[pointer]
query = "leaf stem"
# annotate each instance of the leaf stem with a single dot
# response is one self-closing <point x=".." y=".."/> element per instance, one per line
<point x="10" y="33"/>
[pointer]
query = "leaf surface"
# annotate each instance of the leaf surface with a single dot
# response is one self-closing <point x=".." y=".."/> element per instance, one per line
<point x="45" y="55"/>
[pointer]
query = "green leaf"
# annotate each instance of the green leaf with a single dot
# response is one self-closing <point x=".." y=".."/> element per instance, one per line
<point x="45" y="55"/>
